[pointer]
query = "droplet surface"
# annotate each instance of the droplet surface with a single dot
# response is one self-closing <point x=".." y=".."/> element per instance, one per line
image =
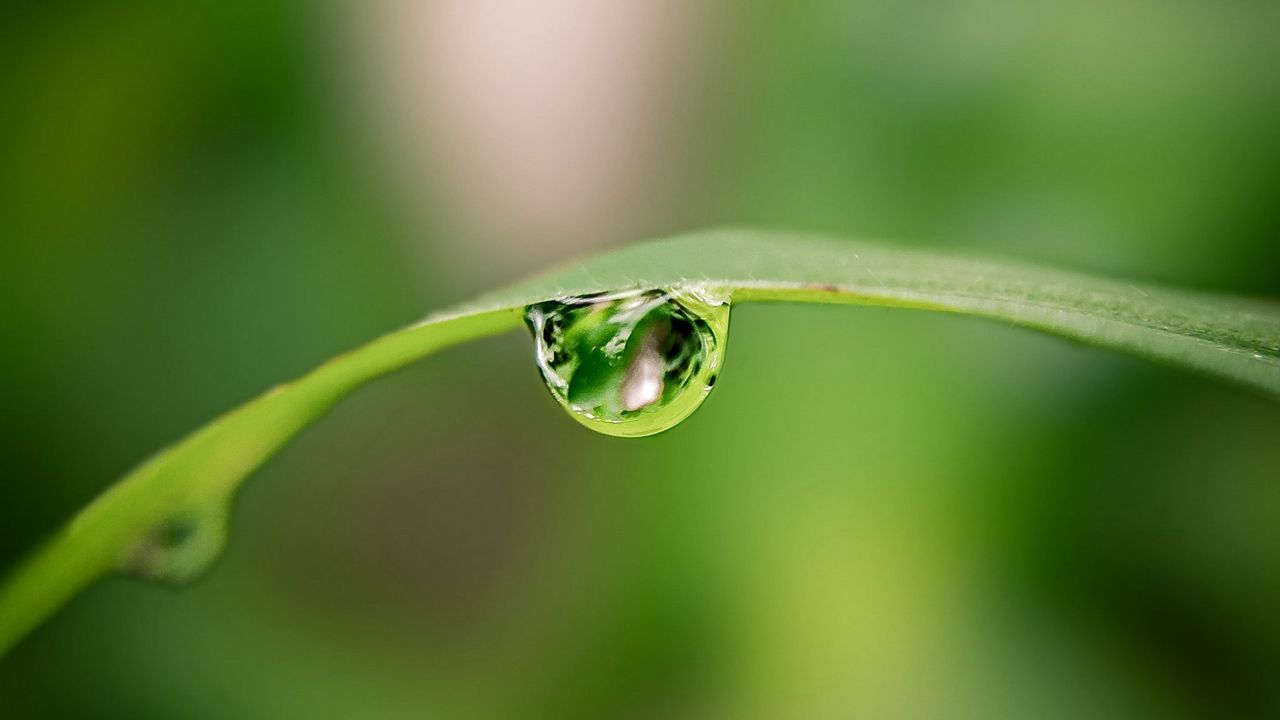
<point x="180" y="548"/>
<point x="634" y="363"/>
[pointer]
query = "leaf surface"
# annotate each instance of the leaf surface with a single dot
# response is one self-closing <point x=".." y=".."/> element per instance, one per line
<point x="1231" y="338"/>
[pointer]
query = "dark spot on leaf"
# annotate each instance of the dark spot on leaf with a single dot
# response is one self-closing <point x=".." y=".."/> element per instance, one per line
<point x="824" y="287"/>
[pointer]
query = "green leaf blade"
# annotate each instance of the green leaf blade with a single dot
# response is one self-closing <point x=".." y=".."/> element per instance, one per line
<point x="202" y="470"/>
<point x="1230" y="338"/>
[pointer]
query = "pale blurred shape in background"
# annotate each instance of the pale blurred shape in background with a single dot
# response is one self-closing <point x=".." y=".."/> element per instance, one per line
<point x="541" y="129"/>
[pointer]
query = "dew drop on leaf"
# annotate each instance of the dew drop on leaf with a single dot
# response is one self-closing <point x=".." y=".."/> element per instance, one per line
<point x="180" y="548"/>
<point x="633" y="363"/>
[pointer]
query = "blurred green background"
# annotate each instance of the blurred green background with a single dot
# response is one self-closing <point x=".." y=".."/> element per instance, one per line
<point x="880" y="513"/>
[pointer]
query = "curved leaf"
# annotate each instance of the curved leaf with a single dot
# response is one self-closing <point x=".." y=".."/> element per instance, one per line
<point x="185" y="488"/>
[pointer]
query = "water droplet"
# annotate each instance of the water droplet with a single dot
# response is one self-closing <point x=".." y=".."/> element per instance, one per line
<point x="180" y="548"/>
<point x="634" y="363"/>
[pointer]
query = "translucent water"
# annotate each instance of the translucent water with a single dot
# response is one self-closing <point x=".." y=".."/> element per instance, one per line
<point x="634" y="363"/>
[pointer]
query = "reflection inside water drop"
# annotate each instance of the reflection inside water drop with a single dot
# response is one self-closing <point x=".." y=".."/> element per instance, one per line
<point x="634" y="363"/>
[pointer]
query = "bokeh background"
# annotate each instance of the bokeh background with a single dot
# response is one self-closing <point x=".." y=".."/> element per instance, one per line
<point x="879" y="513"/>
